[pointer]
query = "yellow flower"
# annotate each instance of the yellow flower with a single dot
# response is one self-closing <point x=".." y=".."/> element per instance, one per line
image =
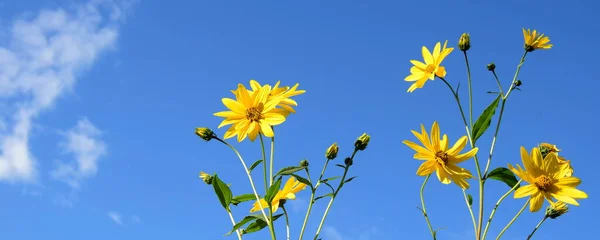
<point x="565" y="165"/>
<point x="535" y="40"/>
<point x="420" y="72"/>
<point x="291" y="187"/>
<point x="285" y="92"/>
<point x="251" y="113"/>
<point x="439" y="158"/>
<point x="546" y="180"/>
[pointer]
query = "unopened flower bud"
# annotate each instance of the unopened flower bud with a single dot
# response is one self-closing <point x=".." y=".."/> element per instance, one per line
<point x="464" y="43"/>
<point x="348" y="161"/>
<point x="518" y="83"/>
<point x="546" y="148"/>
<point x="207" y="178"/>
<point x="362" y="142"/>
<point x="304" y="163"/>
<point x="205" y="133"/>
<point x="491" y="67"/>
<point x="332" y="151"/>
<point x="556" y="210"/>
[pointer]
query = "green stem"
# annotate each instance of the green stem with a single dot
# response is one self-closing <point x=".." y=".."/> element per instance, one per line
<point x="470" y="92"/>
<point x="489" y="222"/>
<point x="335" y="193"/>
<point x="513" y="220"/>
<point x="239" y="235"/>
<point x="470" y="211"/>
<point x="271" y="161"/>
<point x="536" y="227"/>
<point x="312" y="197"/>
<point x="264" y="157"/>
<point x="423" y="208"/>
<point x="249" y="178"/>
<point x="498" y="82"/>
<point x="504" y="98"/>
<point x="287" y="222"/>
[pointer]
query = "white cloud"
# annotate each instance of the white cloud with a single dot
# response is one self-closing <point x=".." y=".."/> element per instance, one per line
<point x="116" y="217"/>
<point x="84" y="142"/>
<point x="40" y="62"/>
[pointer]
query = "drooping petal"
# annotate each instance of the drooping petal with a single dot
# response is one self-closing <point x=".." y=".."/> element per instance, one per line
<point x="536" y="202"/>
<point x="427" y="168"/>
<point x="442" y="175"/>
<point x="266" y="129"/>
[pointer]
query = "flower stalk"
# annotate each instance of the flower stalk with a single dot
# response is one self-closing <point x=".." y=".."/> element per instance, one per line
<point x="512" y="220"/>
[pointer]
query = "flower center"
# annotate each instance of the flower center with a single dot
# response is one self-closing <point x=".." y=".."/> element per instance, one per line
<point x="442" y="157"/>
<point x="253" y="114"/>
<point x="543" y="182"/>
<point x="430" y="68"/>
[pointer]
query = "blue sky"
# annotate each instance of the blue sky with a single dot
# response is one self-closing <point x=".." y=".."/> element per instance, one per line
<point x="100" y="100"/>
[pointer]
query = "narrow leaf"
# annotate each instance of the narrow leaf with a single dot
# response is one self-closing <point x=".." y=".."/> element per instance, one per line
<point x="289" y="170"/>
<point x="242" y="198"/>
<point x="504" y="175"/>
<point x="238" y="225"/>
<point x="273" y="191"/>
<point x="258" y="224"/>
<point x="222" y="190"/>
<point x="326" y="195"/>
<point x="470" y="199"/>
<point x="340" y="165"/>
<point x="350" y="179"/>
<point x="484" y="120"/>
<point x="329" y="179"/>
<point x="302" y="180"/>
<point x="254" y="165"/>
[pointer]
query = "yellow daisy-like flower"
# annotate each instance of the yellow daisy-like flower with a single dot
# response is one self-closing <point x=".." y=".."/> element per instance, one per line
<point x="546" y="180"/>
<point x="439" y="158"/>
<point x="276" y="91"/>
<point x="535" y="40"/>
<point x="251" y="113"/>
<point x="420" y="72"/>
<point x="291" y="187"/>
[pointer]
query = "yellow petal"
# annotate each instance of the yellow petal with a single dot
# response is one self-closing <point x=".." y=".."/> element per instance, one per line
<point x="418" y="148"/>
<point x="442" y="175"/>
<point x="257" y="207"/>
<point x="572" y="192"/>
<point x="458" y="146"/>
<point x="266" y="129"/>
<point x="536" y="201"/>
<point x="234" y="106"/>
<point x="427" y="56"/>
<point x="567" y="182"/>
<point x="273" y="118"/>
<point x="435" y="136"/>
<point x="525" y="191"/>
<point x="427" y="168"/>
<point x="463" y="157"/>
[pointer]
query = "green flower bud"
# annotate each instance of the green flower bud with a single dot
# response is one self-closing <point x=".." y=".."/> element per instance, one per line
<point x="491" y="67"/>
<point x="348" y="161"/>
<point x="207" y="178"/>
<point x="205" y="133"/>
<point x="464" y="43"/>
<point x="556" y="210"/>
<point x="304" y="163"/>
<point x="332" y="151"/>
<point x="518" y="83"/>
<point x="362" y="142"/>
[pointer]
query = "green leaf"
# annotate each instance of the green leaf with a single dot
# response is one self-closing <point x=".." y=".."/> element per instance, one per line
<point x="254" y="165"/>
<point x="340" y="165"/>
<point x="470" y="199"/>
<point x="273" y="191"/>
<point x="258" y="224"/>
<point x="326" y="195"/>
<point x="246" y="219"/>
<point x="242" y="198"/>
<point x="504" y="175"/>
<point x="329" y="179"/>
<point x="302" y="180"/>
<point x="484" y="120"/>
<point x="223" y="192"/>
<point x="350" y="179"/>
<point x="289" y="170"/>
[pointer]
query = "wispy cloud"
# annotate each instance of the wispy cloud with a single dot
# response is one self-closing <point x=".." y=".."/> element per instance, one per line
<point x="43" y="56"/>
<point x="83" y="141"/>
<point x="115" y="217"/>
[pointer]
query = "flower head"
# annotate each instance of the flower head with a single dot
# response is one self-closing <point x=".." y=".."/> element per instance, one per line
<point x="207" y="178"/>
<point x="362" y="142"/>
<point x="556" y="210"/>
<point x="291" y="187"/>
<point x="284" y="92"/>
<point x="546" y="180"/>
<point x="535" y="40"/>
<point x="420" y="72"/>
<point x="464" y="43"/>
<point x="205" y="133"/>
<point x="439" y="158"/>
<point x="251" y="113"/>
<point x="332" y="151"/>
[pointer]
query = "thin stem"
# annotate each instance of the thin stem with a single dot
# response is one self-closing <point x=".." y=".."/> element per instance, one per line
<point x="536" y="227"/>
<point x="335" y="193"/>
<point x="504" y="98"/>
<point x="470" y="211"/>
<point x="312" y="197"/>
<point x="470" y="92"/>
<point x="423" y="207"/>
<point x="249" y="178"/>
<point x="287" y="222"/>
<point x="264" y="157"/>
<point x="271" y="161"/>
<point x="489" y="222"/>
<point x="513" y="220"/>
<point x="498" y="82"/>
<point x="239" y="235"/>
